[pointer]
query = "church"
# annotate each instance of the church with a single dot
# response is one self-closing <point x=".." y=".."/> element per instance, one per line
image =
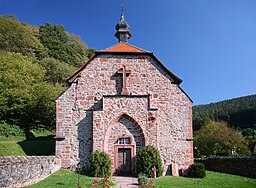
<point x="121" y="100"/>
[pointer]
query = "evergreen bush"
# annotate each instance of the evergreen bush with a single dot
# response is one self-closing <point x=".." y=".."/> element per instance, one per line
<point x="100" y="164"/>
<point x="147" y="158"/>
<point x="196" y="170"/>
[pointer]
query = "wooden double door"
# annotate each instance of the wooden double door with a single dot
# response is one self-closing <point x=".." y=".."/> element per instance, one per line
<point x="124" y="162"/>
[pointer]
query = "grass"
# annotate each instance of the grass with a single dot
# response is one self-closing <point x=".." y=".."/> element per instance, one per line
<point x="42" y="132"/>
<point x="40" y="143"/>
<point x="63" y="179"/>
<point x="11" y="148"/>
<point x="37" y="146"/>
<point x="212" y="180"/>
<point x="68" y="179"/>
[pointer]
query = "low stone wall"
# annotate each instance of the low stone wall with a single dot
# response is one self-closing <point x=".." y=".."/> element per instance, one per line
<point x="243" y="166"/>
<point x="25" y="170"/>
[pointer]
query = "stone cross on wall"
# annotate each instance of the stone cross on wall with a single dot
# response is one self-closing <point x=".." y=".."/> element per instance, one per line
<point x="124" y="73"/>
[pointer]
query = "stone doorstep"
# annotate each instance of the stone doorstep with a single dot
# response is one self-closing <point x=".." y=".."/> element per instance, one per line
<point x="123" y="182"/>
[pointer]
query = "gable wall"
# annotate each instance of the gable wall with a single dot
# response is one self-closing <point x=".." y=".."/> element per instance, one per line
<point x="77" y="107"/>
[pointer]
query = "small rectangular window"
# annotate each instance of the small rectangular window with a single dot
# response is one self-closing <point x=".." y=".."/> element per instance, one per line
<point x="124" y="141"/>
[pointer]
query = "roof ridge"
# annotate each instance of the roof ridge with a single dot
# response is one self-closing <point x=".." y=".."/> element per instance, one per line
<point x="124" y="47"/>
<point x="139" y="48"/>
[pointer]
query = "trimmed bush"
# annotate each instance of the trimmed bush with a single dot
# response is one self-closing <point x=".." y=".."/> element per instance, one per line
<point x="196" y="170"/>
<point x="147" y="157"/>
<point x="100" y="164"/>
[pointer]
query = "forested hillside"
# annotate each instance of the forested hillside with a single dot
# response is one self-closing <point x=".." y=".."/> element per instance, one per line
<point x="238" y="113"/>
<point x="34" y="64"/>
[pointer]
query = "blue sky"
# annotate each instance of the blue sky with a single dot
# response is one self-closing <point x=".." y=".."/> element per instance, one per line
<point x="209" y="44"/>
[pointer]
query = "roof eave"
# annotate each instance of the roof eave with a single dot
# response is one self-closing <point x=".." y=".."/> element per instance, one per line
<point x="185" y="94"/>
<point x="176" y="78"/>
<point x="73" y="76"/>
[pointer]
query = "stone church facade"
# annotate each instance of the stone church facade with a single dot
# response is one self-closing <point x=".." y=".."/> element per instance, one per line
<point x="121" y="100"/>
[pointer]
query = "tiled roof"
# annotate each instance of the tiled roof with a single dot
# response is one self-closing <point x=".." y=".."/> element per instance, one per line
<point x="124" y="47"/>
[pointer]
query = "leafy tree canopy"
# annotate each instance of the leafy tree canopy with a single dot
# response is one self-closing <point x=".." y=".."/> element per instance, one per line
<point x="56" y="71"/>
<point x="63" y="46"/>
<point x="239" y="113"/>
<point x="14" y="37"/>
<point x="34" y="64"/>
<point x="216" y="138"/>
<point x="25" y="98"/>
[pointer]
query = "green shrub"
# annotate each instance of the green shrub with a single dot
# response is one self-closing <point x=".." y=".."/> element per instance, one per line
<point x="100" y="164"/>
<point x="147" y="157"/>
<point x="10" y="130"/>
<point x="142" y="178"/>
<point x="196" y="170"/>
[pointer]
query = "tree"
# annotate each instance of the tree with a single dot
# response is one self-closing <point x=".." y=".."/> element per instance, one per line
<point x="238" y="112"/>
<point x="247" y="132"/>
<point x="32" y="76"/>
<point x="63" y="46"/>
<point x="56" y="71"/>
<point x="14" y="37"/>
<point x="250" y="136"/>
<point x="77" y="50"/>
<point x="216" y="138"/>
<point x="90" y="52"/>
<point x="41" y="112"/>
<point x="54" y="38"/>
<point x="39" y="50"/>
<point x="25" y="98"/>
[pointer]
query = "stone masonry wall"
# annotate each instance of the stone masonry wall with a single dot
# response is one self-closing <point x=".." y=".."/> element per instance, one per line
<point x="92" y="104"/>
<point x="21" y="171"/>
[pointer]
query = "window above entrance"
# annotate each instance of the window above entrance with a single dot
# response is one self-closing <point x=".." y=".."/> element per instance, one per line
<point x="124" y="140"/>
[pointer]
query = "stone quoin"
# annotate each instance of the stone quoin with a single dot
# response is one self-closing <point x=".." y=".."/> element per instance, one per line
<point x="121" y="100"/>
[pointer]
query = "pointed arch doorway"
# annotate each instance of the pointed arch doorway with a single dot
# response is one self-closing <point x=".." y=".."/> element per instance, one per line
<point x="123" y="141"/>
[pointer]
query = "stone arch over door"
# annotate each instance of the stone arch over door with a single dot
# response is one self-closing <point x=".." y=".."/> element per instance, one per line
<point x="123" y="126"/>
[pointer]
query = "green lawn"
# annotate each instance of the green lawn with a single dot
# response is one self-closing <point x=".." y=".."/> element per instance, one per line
<point x="11" y="148"/>
<point x="212" y="180"/>
<point x="40" y="143"/>
<point x="27" y="147"/>
<point x="68" y="179"/>
<point x="63" y="179"/>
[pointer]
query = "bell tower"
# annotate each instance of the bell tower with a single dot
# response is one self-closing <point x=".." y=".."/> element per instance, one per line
<point x="123" y="29"/>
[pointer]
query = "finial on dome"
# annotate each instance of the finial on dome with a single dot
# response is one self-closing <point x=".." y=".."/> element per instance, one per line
<point x="123" y="29"/>
<point x="122" y="9"/>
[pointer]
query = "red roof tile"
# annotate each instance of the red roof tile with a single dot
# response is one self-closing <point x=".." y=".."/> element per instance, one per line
<point x="124" y="47"/>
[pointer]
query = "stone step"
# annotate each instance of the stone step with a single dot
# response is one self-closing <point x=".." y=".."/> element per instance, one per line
<point x="125" y="182"/>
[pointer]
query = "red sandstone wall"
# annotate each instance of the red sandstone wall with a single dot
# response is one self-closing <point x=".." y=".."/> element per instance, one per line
<point x="84" y="116"/>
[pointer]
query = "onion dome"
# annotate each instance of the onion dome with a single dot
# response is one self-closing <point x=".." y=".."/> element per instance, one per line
<point x="123" y="30"/>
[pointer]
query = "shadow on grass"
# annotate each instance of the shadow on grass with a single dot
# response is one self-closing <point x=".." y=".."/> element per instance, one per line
<point x="43" y="145"/>
<point x="58" y="183"/>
